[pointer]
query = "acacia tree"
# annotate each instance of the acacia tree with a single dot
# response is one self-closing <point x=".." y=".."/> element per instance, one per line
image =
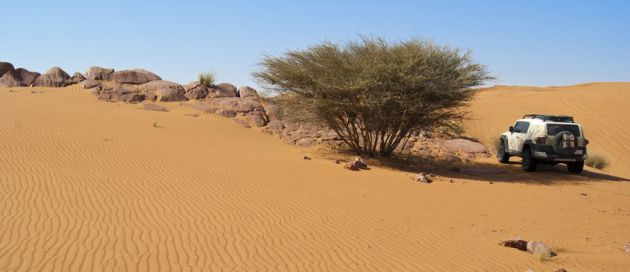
<point x="373" y="93"/>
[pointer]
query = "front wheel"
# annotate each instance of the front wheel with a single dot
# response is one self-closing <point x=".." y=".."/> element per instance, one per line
<point x="529" y="163"/>
<point x="575" y="167"/>
<point x="502" y="155"/>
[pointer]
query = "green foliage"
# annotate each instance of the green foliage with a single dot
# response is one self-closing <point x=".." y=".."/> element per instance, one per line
<point x="206" y="78"/>
<point x="597" y="161"/>
<point x="373" y="93"/>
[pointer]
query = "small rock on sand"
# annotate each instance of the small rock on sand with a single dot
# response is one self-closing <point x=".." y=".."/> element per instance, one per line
<point x="515" y="243"/>
<point x="626" y="248"/>
<point x="356" y="164"/>
<point x="424" y="178"/>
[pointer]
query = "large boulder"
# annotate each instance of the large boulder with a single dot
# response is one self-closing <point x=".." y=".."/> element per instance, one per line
<point x="464" y="145"/>
<point x="247" y="92"/>
<point x="89" y="83"/>
<point x="10" y="79"/>
<point x="27" y="77"/>
<point x="98" y="73"/>
<point x="136" y="76"/>
<point x="5" y="67"/>
<point x="76" y="78"/>
<point x="54" y="77"/>
<point x="223" y="90"/>
<point x="121" y="94"/>
<point x="165" y="91"/>
<point x="195" y="90"/>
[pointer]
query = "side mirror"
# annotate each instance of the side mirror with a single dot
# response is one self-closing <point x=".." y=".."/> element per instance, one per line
<point x="511" y="129"/>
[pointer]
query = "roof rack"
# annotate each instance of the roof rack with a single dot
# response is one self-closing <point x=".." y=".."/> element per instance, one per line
<point x="550" y="118"/>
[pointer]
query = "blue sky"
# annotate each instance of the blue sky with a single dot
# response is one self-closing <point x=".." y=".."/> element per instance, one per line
<point x="522" y="42"/>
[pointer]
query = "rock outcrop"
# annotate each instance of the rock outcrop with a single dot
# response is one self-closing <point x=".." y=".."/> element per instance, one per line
<point x="98" y="73"/>
<point x="247" y="92"/>
<point x="76" y="78"/>
<point x="54" y="77"/>
<point x="27" y="77"/>
<point x="121" y="94"/>
<point x="89" y="84"/>
<point x="165" y="91"/>
<point x="5" y="67"/>
<point x="195" y="90"/>
<point x="136" y="76"/>
<point x="10" y="79"/>
<point x="223" y="90"/>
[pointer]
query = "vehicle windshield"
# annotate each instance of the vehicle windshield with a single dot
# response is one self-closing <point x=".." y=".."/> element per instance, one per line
<point x="553" y="129"/>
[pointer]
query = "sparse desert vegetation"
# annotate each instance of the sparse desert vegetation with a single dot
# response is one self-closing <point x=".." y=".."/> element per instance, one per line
<point x="207" y="78"/>
<point x="373" y="93"/>
<point x="597" y="161"/>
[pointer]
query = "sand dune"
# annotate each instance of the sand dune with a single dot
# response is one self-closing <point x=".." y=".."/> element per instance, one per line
<point x="94" y="186"/>
<point x="602" y="108"/>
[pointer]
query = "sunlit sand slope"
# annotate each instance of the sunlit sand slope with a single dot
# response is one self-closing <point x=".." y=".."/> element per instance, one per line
<point x="95" y="186"/>
<point x="602" y="108"/>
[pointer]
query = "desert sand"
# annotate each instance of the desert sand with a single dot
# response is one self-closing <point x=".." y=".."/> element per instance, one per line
<point x="95" y="186"/>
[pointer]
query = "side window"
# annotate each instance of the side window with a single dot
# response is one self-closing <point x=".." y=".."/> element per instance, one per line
<point x="525" y="127"/>
<point x="521" y="127"/>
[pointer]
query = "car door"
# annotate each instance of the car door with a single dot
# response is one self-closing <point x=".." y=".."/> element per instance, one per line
<point x="517" y="137"/>
<point x="521" y="135"/>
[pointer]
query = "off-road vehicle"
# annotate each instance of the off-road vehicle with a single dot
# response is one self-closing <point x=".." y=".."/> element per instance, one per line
<point x="549" y="139"/>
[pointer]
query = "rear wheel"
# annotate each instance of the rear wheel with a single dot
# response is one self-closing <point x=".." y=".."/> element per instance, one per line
<point x="529" y="162"/>
<point x="502" y="155"/>
<point x="575" y="167"/>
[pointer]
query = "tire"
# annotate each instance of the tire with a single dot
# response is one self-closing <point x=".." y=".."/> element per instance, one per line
<point x="575" y="167"/>
<point x="502" y="155"/>
<point x="529" y="163"/>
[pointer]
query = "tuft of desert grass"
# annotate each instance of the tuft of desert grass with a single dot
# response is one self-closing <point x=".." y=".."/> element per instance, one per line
<point x="206" y="79"/>
<point x="597" y="161"/>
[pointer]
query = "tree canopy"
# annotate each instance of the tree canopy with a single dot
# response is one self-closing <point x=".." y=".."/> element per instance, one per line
<point x="374" y="93"/>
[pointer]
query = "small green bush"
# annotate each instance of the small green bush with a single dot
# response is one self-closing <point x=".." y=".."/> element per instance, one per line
<point x="597" y="161"/>
<point x="206" y="78"/>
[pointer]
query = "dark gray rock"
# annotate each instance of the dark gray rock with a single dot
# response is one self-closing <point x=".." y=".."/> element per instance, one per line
<point x="165" y="91"/>
<point x="89" y="83"/>
<point x="98" y="73"/>
<point x="247" y="92"/>
<point x="257" y="120"/>
<point x="5" y="67"/>
<point x="76" y="78"/>
<point x="196" y="90"/>
<point x="10" y="79"/>
<point x="136" y="76"/>
<point x="27" y="77"/>
<point x="356" y="164"/>
<point x="516" y="243"/>
<point x="227" y="113"/>
<point x="54" y="77"/>
<point x="223" y="90"/>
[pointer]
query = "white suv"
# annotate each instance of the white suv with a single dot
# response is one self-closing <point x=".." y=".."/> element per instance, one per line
<point x="550" y="139"/>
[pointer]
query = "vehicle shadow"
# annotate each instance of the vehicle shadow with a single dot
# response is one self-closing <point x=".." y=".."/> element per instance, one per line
<point x="482" y="168"/>
<point x="486" y="169"/>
